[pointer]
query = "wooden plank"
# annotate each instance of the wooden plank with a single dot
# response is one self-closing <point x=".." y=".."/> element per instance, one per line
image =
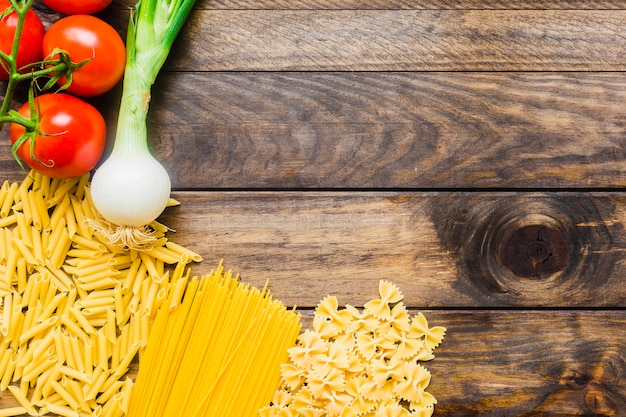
<point x="446" y="249"/>
<point x="528" y="363"/>
<point x="402" y="40"/>
<point x="398" y="4"/>
<point x="524" y="363"/>
<point x="390" y="130"/>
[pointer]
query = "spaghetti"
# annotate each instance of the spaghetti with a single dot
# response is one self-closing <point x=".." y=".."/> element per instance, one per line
<point x="223" y="338"/>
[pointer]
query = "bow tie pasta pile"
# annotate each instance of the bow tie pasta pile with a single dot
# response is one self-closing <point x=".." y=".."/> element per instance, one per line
<point x="359" y="362"/>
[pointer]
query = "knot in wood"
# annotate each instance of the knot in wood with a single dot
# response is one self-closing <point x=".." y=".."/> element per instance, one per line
<point x="599" y="403"/>
<point x="534" y="251"/>
<point x="527" y="249"/>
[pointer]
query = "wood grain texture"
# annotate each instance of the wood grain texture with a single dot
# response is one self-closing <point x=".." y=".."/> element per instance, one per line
<point x="442" y="248"/>
<point x="529" y="363"/>
<point x="399" y="4"/>
<point x="386" y="130"/>
<point x="402" y="40"/>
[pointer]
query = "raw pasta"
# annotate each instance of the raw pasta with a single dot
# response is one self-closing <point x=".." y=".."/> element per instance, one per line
<point x="75" y="312"/>
<point x="359" y="363"/>
<point x="216" y="339"/>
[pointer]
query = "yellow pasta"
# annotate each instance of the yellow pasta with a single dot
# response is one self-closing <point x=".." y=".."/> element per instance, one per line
<point x="22" y="400"/>
<point x="4" y="192"/>
<point x="11" y="267"/>
<point x="58" y="217"/>
<point x="62" y="280"/>
<point x="191" y="255"/>
<point x="31" y="373"/>
<point x="75" y="390"/>
<point x="8" y="220"/>
<point x="164" y="254"/>
<point x="61" y="410"/>
<point x="75" y="311"/>
<point x="7" y="312"/>
<point x="220" y="333"/>
<point x="9" y="200"/>
<point x="24" y="203"/>
<point x="12" y="411"/>
<point x="66" y="395"/>
<point x="60" y="248"/>
<point x="36" y="214"/>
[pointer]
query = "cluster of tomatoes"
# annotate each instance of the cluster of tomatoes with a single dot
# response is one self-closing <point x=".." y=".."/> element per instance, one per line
<point x="70" y="134"/>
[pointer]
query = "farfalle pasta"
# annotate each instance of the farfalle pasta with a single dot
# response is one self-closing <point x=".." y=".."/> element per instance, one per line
<point x="359" y="362"/>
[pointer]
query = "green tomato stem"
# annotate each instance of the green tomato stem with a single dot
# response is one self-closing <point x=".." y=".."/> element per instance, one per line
<point x="11" y="61"/>
<point x="62" y="65"/>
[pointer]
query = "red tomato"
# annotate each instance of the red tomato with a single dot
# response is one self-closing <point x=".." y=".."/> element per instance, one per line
<point x="75" y="140"/>
<point x="77" y="7"/>
<point x="84" y="36"/>
<point x="30" y="47"/>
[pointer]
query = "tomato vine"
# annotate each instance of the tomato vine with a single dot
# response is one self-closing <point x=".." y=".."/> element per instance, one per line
<point x="52" y="72"/>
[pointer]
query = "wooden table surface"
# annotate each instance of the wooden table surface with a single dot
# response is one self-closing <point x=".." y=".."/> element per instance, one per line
<point x="471" y="152"/>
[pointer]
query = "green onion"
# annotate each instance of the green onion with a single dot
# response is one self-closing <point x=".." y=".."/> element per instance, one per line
<point x="131" y="188"/>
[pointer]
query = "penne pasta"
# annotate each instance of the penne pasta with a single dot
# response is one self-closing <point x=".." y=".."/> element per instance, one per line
<point x="190" y="255"/>
<point x="19" y="395"/>
<point x="81" y="223"/>
<point x="35" y="213"/>
<point x="13" y="411"/>
<point x="81" y="242"/>
<point x="98" y="380"/>
<point x="37" y="329"/>
<point x="31" y="373"/>
<point x="8" y="220"/>
<point x="74" y="389"/>
<point x="58" y="248"/>
<point x="61" y="410"/>
<point x="8" y="371"/>
<point x="9" y="200"/>
<point x="66" y="395"/>
<point x="24" y="251"/>
<point x="7" y="314"/>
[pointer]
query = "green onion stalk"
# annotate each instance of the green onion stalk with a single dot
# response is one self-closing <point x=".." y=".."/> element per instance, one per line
<point x="131" y="188"/>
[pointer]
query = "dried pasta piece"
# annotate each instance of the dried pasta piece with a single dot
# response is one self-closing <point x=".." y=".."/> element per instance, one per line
<point x="433" y="335"/>
<point x="292" y="376"/>
<point x="394" y="410"/>
<point x="367" y="345"/>
<point x="335" y="358"/>
<point x="328" y="308"/>
<point x="415" y="379"/>
<point x="362" y="321"/>
<point x="309" y="344"/>
<point x="383" y="370"/>
<point x="324" y="327"/>
<point x="381" y="307"/>
<point x="361" y="404"/>
<point x="311" y="412"/>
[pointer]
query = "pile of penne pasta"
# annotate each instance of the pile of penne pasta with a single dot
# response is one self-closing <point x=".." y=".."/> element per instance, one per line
<point x="75" y="311"/>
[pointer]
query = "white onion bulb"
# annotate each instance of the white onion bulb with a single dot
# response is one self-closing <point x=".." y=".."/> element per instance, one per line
<point x="130" y="190"/>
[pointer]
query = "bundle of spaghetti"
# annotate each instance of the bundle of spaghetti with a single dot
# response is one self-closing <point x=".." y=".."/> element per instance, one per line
<point x="216" y="353"/>
<point x="75" y="312"/>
